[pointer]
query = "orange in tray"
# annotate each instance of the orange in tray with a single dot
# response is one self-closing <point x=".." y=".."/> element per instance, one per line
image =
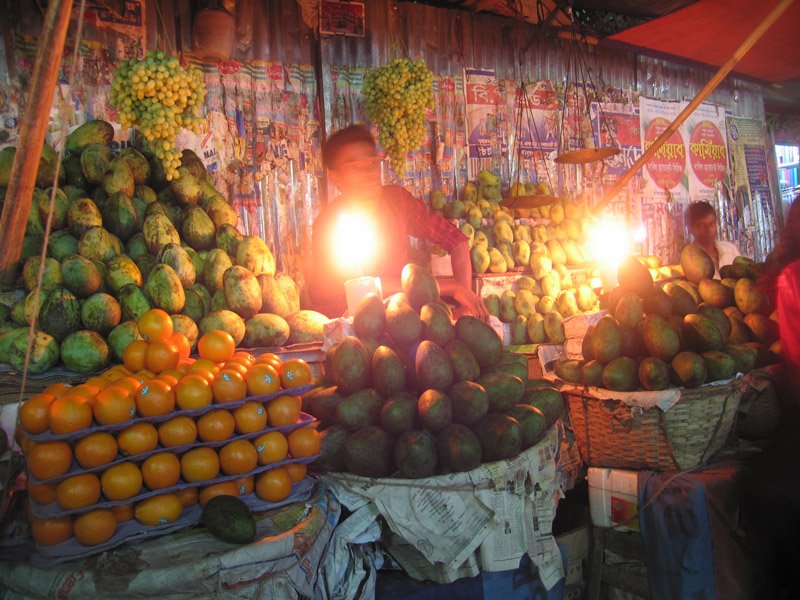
<point x="114" y="404"/>
<point x="233" y="365"/>
<point x="228" y="386"/>
<point x="161" y="470"/>
<point x="122" y="512"/>
<point x="49" y="459"/>
<point x="271" y="447"/>
<point x="181" y="342"/>
<point x="129" y="383"/>
<point x="216" y="426"/>
<point x="238" y="457"/>
<point x="69" y="414"/>
<point x="42" y="493"/>
<point x="155" y="324"/>
<point x="49" y="532"/>
<point x="133" y="357"/>
<point x="78" y="491"/>
<point x="223" y="488"/>
<point x="304" y="442"/>
<point x="243" y="357"/>
<point x="178" y="431"/>
<point x="94" y="527"/>
<point x="121" y="481"/>
<point x="160" y="356"/>
<point x="270" y="359"/>
<point x="245" y="484"/>
<point x="155" y="398"/>
<point x="96" y="449"/>
<point x="199" y="464"/>
<point x="98" y="381"/>
<point x="295" y="373"/>
<point x="58" y="389"/>
<point x="274" y="485"/>
<point x="250" y="417"/>
<point x="33" y="414"/>
<point x="217" y="346"/>
<point x="262" y="379"/>
<point x="136" y="439"/>
<point x="283" y="410"/>
<point x="193" y="391"/>
<point x="158" y="510"/>
<point x="187" y="496"/>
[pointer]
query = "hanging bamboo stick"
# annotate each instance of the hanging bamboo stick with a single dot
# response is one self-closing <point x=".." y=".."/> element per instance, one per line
<point x="712" y="84"/>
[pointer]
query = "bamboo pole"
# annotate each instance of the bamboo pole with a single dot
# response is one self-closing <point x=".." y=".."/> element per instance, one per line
<point x="712" y="84"/>
<point x="31" y="137"/>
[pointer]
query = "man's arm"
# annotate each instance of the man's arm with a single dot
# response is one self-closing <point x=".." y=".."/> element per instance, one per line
<point x="460" y="287"/>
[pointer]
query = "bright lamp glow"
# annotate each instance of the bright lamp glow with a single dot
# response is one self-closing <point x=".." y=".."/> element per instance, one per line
<point x="354" y="244"/>
<point x="640" y="235"/>
<point x="609" y="242"/>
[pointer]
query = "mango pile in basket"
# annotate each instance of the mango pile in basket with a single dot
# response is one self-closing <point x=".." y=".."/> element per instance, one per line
<point x="146" y="440"/>
<point x="415" y="394"/>
<point x="680" y="332"/>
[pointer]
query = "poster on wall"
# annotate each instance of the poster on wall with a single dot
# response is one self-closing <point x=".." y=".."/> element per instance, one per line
<point x="617" y="125"/>
<point x="665" y="177"/>
<point x="483" y="99"/>
<point x="128" y="26"/>
<point x="708" y="151"/>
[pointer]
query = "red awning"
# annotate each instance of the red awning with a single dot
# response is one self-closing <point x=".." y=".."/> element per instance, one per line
<point x="709" y="31"/>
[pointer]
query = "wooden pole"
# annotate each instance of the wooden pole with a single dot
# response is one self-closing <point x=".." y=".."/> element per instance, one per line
<point x="31" y="137"/>
<point x="712" y="84"/>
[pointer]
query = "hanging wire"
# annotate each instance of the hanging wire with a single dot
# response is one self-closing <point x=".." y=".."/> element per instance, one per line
<point x="168" y="43"/>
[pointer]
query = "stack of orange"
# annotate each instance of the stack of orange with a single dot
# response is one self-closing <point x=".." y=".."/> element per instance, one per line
<point x="158" y="378"/>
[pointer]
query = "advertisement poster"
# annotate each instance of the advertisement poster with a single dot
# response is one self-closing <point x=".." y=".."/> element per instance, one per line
<point x="483" y="100"/>
<point x="617" y="125"/>
<point x="128" y="26"/>
<point x="708" y="151"/>
<point x="665" y="174"/>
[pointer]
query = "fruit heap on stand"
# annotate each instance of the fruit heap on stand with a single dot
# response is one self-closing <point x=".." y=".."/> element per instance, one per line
<point x="684" y="332"/>
<point x="125" y="240"/>
<point x="152" y="437"/>
<point x="414" y="394"/>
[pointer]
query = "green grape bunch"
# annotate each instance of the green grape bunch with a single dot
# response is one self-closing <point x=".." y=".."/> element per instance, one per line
<point x="159" y="97"/>
<point x="397" y="96"/>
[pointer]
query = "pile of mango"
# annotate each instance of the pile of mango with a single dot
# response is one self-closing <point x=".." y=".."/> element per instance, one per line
<point x="124" y="240"/>
<point x="680" y="332"/>
<point x="413" y="393"/>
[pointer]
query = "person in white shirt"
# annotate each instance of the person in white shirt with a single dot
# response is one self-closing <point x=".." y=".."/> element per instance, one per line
<point x="701" y="218"/>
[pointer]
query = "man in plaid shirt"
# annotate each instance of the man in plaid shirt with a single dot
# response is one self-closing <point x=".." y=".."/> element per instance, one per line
<point x="351" y="158"/>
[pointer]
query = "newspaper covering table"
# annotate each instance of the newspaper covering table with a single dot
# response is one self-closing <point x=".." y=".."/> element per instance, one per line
<point x="454" y="525"/>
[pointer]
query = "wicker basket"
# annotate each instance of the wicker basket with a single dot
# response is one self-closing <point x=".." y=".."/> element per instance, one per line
<point x="213" y="34"/>
<point x="611" y="433"/>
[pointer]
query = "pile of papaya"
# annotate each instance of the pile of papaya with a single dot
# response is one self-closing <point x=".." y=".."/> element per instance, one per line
<point x="414" y="393"/>
<point x="124" y="240"/>
<point x="682" y="332"/>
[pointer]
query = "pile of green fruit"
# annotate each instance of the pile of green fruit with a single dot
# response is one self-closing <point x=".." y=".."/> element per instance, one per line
<point x="124" y="240"/>
<point x="682" y="332"/>
<point x="415" y="394"/>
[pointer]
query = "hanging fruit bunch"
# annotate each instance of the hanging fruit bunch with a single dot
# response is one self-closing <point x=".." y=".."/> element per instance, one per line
<point x="158" y="96"/>
<point x="397" y="96"/>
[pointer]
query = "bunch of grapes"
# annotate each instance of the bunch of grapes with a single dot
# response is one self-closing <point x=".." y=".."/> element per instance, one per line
<point x="159" y="97"/>
<point x="397" y="96"/>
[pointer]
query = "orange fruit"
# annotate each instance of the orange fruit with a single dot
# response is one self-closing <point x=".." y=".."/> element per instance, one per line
<point x="133" y="357"/>
<point x="155" y="324"/>
<point x="115" y="373"/>
<point x="199" y="464"/>
<point x="216" y="426"/>
<point x="193" y="391"/>
<point x="271" y="447"/>
<point x="145" y="375"/>
<point x="262" y="379"/>
<point x="114" y="404"/>
<point x="243" y="356"/>
<point x="270" y="358"/>
<point x="161" y="470"/>
<point x="98" y="381"/>
<point x="85" y="391"/>
<point x="42" y="493"/>
<point x="49" y="532"/>
<point x="274" y="485"/>
<point x="169" y="379"/>
<point x="233" y="365"/>
<point x="159" y="510"/>
<point x="138" y="438"/>
<point x="304" y="442"/>
<point x="33" y="413"/>
<point x="187" y="496"/>
<point x="238" y="457"/>
<point x="67" y="415"/>
<point x="250" y="417"/>
<point x="216" y="345"/>
<point x="128" y="383"/>
<point x="294" y="373"/>
<point x="49" y="459"/>
<point x="229" y="386"/>
<point x="223" y="488"/>
<point x="122" y="512"/>
<point x="178" y="431"/>
<point x="204" y="364"/>
<point x="245" y="484"/>
<point x="161" y="356"/>
<point x="58" y="389"/>
<point x="154" y="399"/>
<point x="181" y="342"/>
<point x="121" y="481"/>
<point x="94" y="527"/>
<point x="78" y="491"/>
<point x="96" y="449"/>
<point x="283" y="410"/>
<point x="297" y="471"/>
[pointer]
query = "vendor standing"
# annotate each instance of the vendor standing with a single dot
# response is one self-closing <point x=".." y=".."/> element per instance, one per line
<point x="701" y="218"/>
<point x="351" y="159"/>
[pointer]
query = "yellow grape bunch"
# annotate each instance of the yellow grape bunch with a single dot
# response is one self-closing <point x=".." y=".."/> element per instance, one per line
<point x="159" y="97"/>
<point x="397" y="96"/>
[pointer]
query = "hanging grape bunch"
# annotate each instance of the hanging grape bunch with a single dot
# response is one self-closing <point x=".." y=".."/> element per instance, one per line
<point x="158" y="97"/>
<point x="397" y="96"/>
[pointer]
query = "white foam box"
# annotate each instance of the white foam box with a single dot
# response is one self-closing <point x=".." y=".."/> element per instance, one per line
<point x="613" y="497"/>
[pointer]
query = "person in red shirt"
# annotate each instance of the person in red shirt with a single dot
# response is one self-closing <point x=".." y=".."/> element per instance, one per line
<point x="351" y="159"/>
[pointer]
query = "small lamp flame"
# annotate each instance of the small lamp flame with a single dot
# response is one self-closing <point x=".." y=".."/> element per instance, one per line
<point x="610" y="244"/>
<point x="355" y="243"/>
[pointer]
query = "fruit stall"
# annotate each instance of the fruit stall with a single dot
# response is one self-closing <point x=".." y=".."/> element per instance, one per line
<point x="177" y="413"/>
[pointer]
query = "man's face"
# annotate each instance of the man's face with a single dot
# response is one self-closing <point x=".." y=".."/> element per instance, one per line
<point x="704" y="230"/>
<point x="356" y="171"/>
